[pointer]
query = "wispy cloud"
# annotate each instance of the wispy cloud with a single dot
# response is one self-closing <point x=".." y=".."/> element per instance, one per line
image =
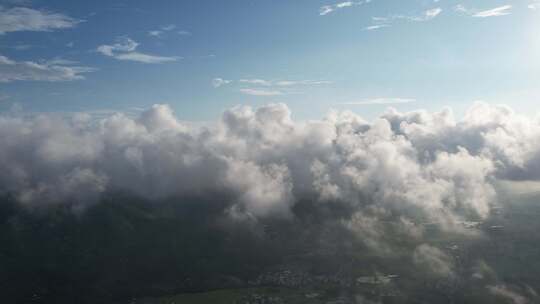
<point x="432" y="13"/>
<point x="260" y="92"/>
<point x="54" y="70"/>
<point x="125" y="49"/>
<point x="169" y="27"/>
<point x="381" y="22"/>
<point x="498" y="11"/>
<point x="218" y="82"/>
<point x="27" y="19"/>
<point x="327" y="9"/>
<point x="376" y="27"/>
<point x="144" y="58"/>
<point x="160" y="33"/>
<point x="494" y="12"/>
<point x="263" y="87"/>
<point x="255" y="81"/>
<point x="534" y="5"/>
<point x="155" y="33"/>
<point x="380" y="101"/>
<point x="283" y="83"/>
<point x="288" y="83"/>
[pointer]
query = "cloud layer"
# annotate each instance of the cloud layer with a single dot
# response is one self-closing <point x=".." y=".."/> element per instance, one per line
<point x="436" y="168"/>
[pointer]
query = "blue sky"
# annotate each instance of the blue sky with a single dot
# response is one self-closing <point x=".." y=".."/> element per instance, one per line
<point x="202" y="57"/>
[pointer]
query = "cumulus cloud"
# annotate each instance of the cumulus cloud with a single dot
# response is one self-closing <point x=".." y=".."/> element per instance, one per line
<point x="438" y="169"/>
<point x="53" y="70"/>
<point x="125" y="49"/>
<point x="27" y="19"/>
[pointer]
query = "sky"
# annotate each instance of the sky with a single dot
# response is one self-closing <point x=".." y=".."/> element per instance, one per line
<point x="202" y="57"/>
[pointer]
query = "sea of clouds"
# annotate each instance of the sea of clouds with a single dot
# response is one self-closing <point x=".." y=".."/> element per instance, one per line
<point x="419" y="166"/>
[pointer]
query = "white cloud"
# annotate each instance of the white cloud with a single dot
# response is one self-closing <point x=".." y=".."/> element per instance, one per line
<point x="498" y="11"/>
<point x="376" y="27"/>
<point x="425" y="16"/>
<point x="327" y="9"/>
<point x="27" y="19"/>
<point x="256" y="82"/>
<point x="53" y="70"/>
<point x="260" y="92"/>
<point x="169" y="27"/>
<point x="432" y="13"/>
<point x="155" y="33"/>
<point x="380" y="22"/>
<point x="159" y="33"/>
<point x="125" y="49"/>
<point x="409" y="168"/>
<point x="494" y="12"/>
<point x="218" y="82"/>
<point x="461" y="8"/>
<point x="283" y="83"/>
<point x="123" y="45"/>
<point x="344" y="4"/>
<point x="144" y="58"/>
<point x="262" y="87"/>
<point x="287" y="83"/>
